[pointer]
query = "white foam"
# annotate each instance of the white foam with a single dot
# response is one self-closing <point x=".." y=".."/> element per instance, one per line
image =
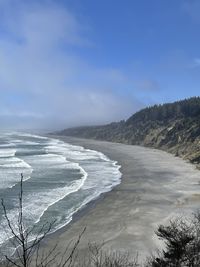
<point x="91" y="197"/>
<point x="73" y="152"/>
<point x="51" y="161"/>
<point x="11" y="169"/>
<point x="7" y="152"/>
<point x="15" y="163"/>
<point x="23" y="142"/>
<point x="99" y="174"/>
<point x="36" y="204"/>
<point x="100" y="165"/>
<point x="8" y="145"/>
<point x="32" y="136"/>
<point x="61" y="193"/>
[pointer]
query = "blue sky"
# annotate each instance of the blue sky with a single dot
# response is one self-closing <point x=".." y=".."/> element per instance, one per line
<point x="75" y="62"/>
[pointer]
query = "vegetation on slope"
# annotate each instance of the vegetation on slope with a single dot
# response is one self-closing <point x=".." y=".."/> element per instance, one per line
<point x="174" y="127"/>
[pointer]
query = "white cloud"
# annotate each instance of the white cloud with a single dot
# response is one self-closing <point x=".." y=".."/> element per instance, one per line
<point x="36" y="60"/>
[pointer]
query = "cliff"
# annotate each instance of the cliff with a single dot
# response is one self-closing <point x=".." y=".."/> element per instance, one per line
<point x="173" y="127"/>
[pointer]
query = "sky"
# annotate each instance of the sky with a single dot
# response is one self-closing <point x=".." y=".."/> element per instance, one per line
<point x="66" y="63"/>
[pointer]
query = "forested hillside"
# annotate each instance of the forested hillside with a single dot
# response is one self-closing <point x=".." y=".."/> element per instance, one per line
<point x="174" y="127"/>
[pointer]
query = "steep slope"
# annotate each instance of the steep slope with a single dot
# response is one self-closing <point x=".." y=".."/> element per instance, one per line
<point x="173" y="127"/>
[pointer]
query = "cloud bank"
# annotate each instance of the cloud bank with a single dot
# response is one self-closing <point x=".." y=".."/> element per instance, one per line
<point x="43" y="80"/>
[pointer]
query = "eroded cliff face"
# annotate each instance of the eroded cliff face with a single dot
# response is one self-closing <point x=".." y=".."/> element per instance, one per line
<point x="181" y="137"/>
<point x="171" y="127"/>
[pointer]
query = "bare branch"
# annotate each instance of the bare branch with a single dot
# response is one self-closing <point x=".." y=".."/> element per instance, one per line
<point x="70" y="257"/>
<point x="9" y="223"/>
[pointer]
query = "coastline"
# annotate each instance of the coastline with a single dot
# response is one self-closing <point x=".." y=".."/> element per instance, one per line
<point x="126" y="217"/>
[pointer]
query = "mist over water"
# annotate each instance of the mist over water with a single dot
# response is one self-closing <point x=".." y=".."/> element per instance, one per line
<point x="59" y="179"/>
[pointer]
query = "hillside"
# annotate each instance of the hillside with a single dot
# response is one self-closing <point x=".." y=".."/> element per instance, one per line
<point x="173" y="127"/>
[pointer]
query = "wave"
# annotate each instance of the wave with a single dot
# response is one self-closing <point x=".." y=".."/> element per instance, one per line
<point x="56" y="171"/>
<point x="11" y="169"/>
<point x="14" y="163"/>
<point x="35" y="205"/>
<point x="63" y="192"/>
<point x="31" y="135"/>
<point x="90" y="198"/>
<point x="52" y="161"/>
<point x="7" y="145"/>
<point x="108" y="168"/>
<point x="73" y="152"/>
<point x="7" y="152"/>
<point x="25" y="143"/>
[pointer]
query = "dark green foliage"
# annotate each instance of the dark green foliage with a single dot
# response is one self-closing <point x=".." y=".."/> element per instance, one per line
<point x="182" y="244"/>
<point x="180" y="109"/>
<point x="172" y="127"/>
<point x="148" y="118"/>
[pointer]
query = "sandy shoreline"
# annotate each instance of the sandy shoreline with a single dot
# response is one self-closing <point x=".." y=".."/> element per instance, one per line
<point x="155" y="187"/>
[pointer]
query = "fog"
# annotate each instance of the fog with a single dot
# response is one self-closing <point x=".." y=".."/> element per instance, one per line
<point x="44" y="82"/>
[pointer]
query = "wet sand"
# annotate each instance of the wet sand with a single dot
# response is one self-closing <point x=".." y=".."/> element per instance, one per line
<point x="155" y="187"/>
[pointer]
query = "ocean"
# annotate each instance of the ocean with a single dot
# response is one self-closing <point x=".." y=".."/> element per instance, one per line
<point x="59" y="179"/>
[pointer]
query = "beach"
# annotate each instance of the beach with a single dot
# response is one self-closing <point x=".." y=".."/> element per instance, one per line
<point x="155" y="187"/>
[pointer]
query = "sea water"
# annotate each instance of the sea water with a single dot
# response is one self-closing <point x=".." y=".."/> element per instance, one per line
<point x="58" y="180"/>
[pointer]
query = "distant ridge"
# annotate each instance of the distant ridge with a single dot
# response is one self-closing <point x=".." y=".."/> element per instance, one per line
<point x="173" y="127"/>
